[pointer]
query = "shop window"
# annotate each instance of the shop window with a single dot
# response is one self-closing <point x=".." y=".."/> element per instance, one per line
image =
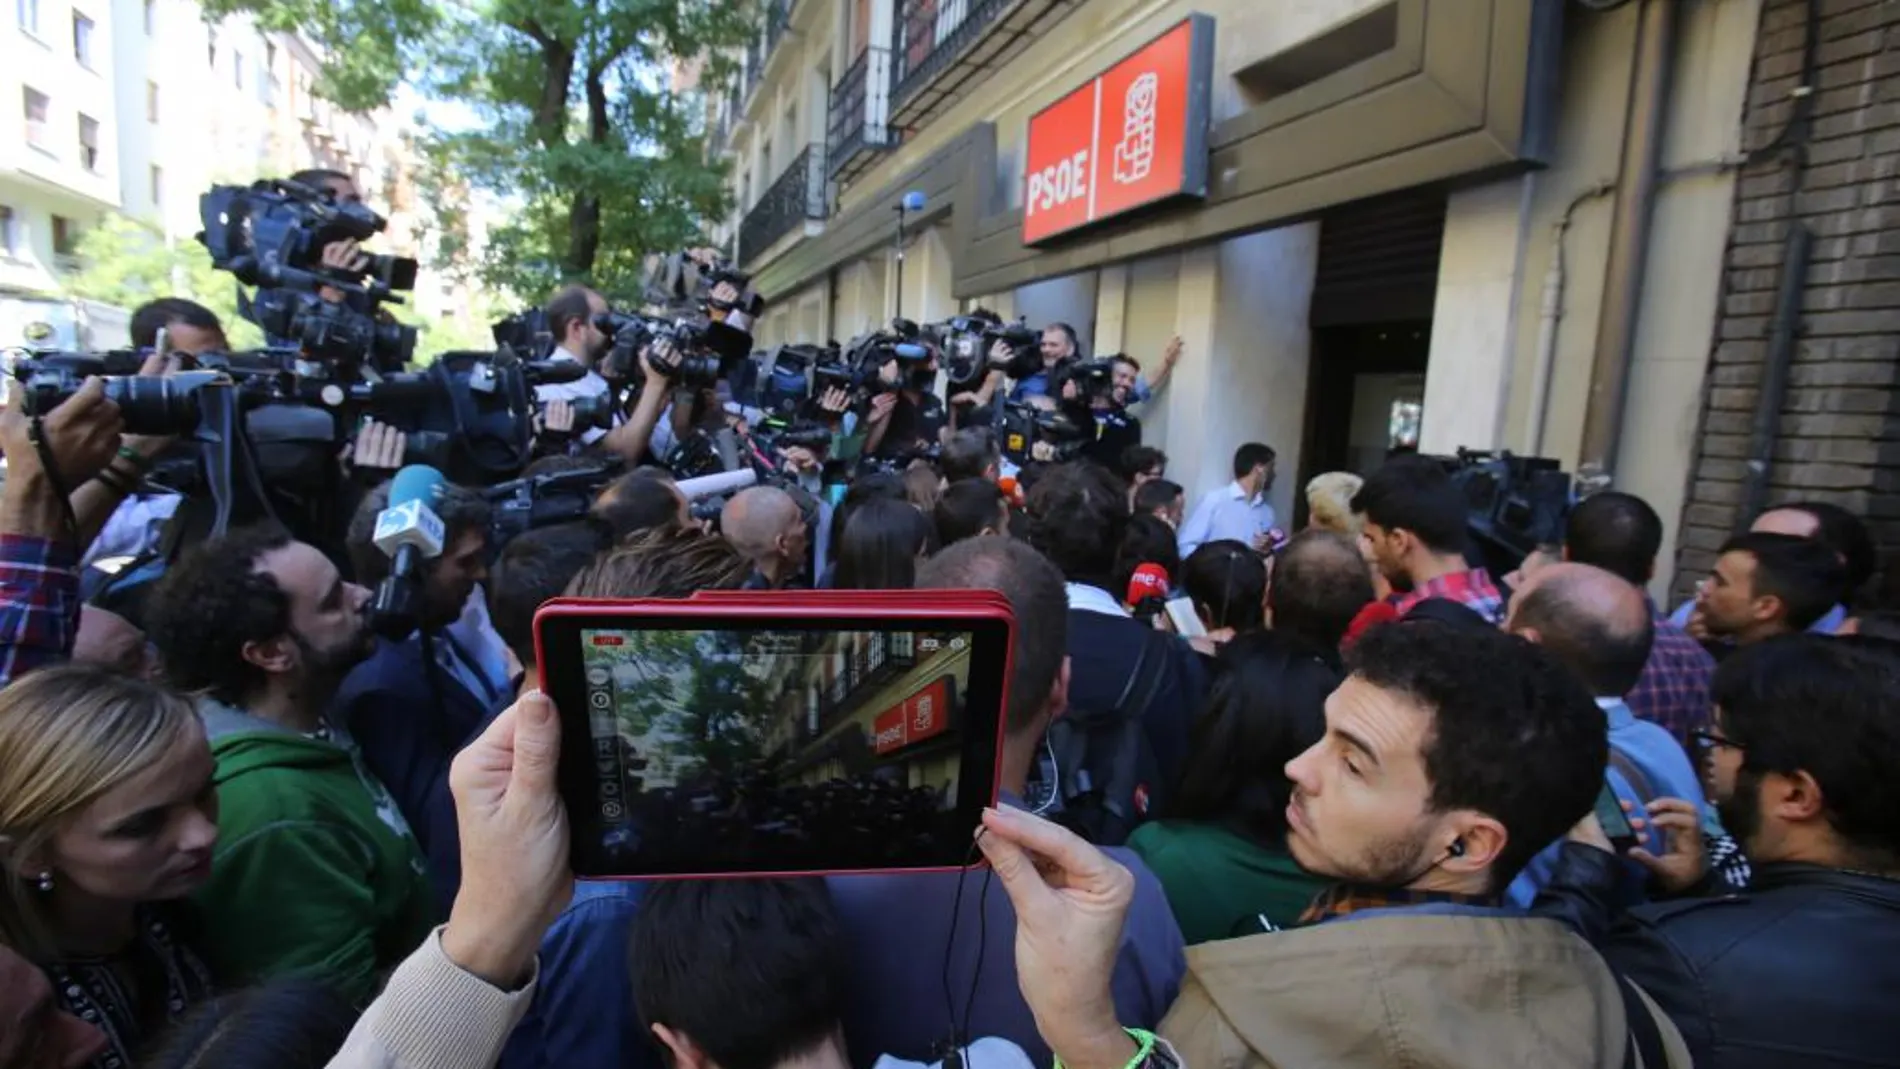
<point x="1371" y="34"/>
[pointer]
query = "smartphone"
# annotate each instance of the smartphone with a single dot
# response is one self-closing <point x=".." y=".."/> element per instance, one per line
<point x="1616" y="823"/>
<point x="1187" y="622"/>
<point x="764" y="737"/>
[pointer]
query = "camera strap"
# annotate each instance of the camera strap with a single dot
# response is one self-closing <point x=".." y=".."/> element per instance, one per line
<point x="36" y="433"/>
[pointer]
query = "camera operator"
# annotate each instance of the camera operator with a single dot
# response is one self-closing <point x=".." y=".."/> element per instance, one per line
<point x="570" y="315"/>
<point x="347" y="255"/>
<point x="188" y="327"/>
<point x="1059" y="347"/>
<point x="1092" y="396"/>
<point x="909" y="417"/>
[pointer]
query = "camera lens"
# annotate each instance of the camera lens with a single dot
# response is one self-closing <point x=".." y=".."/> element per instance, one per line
<point x="153" y="406"/>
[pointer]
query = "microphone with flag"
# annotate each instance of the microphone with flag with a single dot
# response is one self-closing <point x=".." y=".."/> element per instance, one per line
<point x="409" y="532"/>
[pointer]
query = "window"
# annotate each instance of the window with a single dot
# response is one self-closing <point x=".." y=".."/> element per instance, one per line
<point x="151" y="17"/>
<point x="7" y="247"/>
<point x="82" y="40"/>
<point x="29" y="12"/>
<point x="37" y="107"/>
<point x="158" y="186"/>
<point x="89" y="144"/>
<point x="151" y="101"/>
<point x="65" y="236"/>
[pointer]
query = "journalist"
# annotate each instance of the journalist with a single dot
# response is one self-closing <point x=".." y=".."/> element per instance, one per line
<point x="570" y="315"/>
<point x="1092" y="398"/>
<point x="418" y="699"/>
<point x="1059" y="347"/>
<point x="908" y="416"/>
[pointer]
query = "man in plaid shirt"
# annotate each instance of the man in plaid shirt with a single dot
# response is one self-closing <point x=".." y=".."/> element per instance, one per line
<point x="1621" y="534"/>
<point x="1415" y="535"/>
<point x="39" y="557"/>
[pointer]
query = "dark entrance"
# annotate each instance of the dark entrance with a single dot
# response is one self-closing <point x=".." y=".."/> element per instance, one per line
<point x="1372" y="332"/>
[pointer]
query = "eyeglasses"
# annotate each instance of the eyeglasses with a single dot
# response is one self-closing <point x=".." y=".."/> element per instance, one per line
<point x="1710" y="741"/>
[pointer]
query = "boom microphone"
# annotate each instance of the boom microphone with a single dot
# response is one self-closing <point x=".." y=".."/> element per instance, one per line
<point x="409" y="532"/>
<point x="713" y="485"/>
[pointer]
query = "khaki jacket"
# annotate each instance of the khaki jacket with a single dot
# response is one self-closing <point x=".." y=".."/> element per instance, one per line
<point x="1404" y="992"/>
<point x="432" y="1015"/>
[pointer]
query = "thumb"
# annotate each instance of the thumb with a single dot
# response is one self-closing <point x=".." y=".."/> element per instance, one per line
<point x="1011" y="863"/>
<point x="537" y="744"/>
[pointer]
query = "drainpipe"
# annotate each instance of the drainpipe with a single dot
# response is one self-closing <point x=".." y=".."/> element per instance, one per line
<point x="1774" y="376"/>
<point x="1550" y="319"/>
<point x="1628" y="258"/>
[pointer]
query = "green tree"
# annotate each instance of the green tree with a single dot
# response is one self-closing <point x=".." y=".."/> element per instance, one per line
<point x="126" y="263"/>
<point x="576" y="124"/>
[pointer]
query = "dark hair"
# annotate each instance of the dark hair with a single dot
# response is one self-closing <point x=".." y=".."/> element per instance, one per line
<point x="153" y="316"/>
<point x="877" y="486"/>
<point x="1413" y="493"/>
<point x="1841" y="531"/>
<point x="213" y="602"/>
<point x="1156" y="494"/>
<point x="1616" y="532"/>
<point x="666" y="562"/>
<point x="1037" y="597"/>
<point x="1268" y="706"/>
<point x="636" y="502"/>
<point x="534" y="567"/>
<point x="568" y="306"/>
<point x="1228" y="581"/>
<point x="1824" y="706"/>
<point x="1250" y="456"/>
<point x="922" y="486"/>
<point x="285" y="1023"/>
<point x="1147" y="540"/>
<point x="1075" y="342"/>
<point x="1579" y="630"/>
<point x="320" y="177"/>
<point x="969" y="454"/>
<point x="1448" y="612"/>
<point x="752" y="971"/>
<point x="881" y="545"/>
<point x="1320" y="583"/>
<point x="461" y="510"/>
<point x="1076" y="515"/>
<point x="1804" y="573"/>
<point x="1513" y="734"/>
<point x="966" y="508"/>
<point x="1139" y="460"/>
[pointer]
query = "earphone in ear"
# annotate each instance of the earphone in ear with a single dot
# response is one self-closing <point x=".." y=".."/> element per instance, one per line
<point x="1456" y="849"/>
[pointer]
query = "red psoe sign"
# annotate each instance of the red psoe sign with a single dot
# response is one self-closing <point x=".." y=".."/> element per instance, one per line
<point x="923" y="715"/>
<point x="1134" y="135"/>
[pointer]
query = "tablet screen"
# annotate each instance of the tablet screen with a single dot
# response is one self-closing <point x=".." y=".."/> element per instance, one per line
<point x="781" y="749"/>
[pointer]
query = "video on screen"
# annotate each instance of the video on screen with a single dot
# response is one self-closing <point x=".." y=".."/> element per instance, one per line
<point x="789" y="751"/>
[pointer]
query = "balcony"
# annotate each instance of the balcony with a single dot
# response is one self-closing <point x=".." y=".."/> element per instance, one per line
<point x="944" y="47"/>
<point x="859" y="126"/>
<point x="796" y="197"/>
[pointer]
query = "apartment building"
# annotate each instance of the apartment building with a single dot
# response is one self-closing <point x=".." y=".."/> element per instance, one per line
<point x="1536" y="225"/>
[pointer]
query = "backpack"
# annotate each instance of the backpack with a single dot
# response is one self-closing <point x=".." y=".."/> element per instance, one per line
<point x="1102" y="776"/>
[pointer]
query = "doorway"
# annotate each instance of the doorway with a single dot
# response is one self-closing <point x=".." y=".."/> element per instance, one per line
<point x="1364" y="397"/>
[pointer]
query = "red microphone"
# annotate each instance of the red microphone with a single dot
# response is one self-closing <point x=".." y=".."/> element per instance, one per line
<point x="1149" y="581"/>
<point x="1379" y="612"/>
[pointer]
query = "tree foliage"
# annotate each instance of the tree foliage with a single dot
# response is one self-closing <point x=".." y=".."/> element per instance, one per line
<point x="126" y="263"/>
<point x="576" y="127"/>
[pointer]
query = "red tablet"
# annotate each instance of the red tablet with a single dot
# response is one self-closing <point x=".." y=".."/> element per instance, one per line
<point x="778" y="734"/>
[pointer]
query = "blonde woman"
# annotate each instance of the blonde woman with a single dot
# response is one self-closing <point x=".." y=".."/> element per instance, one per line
<point x="1329" y="502"/>
<point x="108" y="815"/>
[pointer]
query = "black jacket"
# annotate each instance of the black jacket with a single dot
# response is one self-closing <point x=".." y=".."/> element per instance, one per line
<point x="1800" y="972"/>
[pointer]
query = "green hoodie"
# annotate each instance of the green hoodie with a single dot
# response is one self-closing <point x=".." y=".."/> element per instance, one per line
<point x="315" y="871"/>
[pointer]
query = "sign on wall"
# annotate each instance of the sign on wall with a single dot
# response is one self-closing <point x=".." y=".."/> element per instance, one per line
<point x="923" y="715"/>
<point x="1135" y="135"/>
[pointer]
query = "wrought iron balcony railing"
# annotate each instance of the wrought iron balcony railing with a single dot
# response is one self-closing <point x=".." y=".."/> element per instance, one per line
<point x="796" y="196"/>
<point x="931" y="34"/>
<point x="859" y="124"/>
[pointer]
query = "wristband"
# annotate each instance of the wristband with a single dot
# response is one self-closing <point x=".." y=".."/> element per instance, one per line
<point x="1144" y="1052"/>
<point x="115" y="481"/>
<point x="139" y="461"/>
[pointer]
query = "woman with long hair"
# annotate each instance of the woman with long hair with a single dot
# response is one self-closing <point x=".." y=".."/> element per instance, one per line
<point x="882" y="545"/>
<point x="108" y="814"/>
<point x="1220" y="848"/>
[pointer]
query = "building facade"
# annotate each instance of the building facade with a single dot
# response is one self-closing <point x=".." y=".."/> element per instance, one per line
<point x="1490" y="224"/>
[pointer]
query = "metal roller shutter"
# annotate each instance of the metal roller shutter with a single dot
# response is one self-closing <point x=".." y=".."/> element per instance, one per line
<point x="1378" y="260"/>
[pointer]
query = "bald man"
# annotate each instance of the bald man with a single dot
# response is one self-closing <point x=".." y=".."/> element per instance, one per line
<point x="1599" y="625"/>
<point x="1318" y="584"/>
<point x="765" y="524"/>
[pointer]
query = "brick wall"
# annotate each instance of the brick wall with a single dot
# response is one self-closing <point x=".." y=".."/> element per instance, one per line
<point x="1839" y="430"/>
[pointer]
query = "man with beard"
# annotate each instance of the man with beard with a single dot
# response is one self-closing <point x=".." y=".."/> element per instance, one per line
<point x="418" y="700"/>
<point x="1800" y="969"/>
<point x="570" y="317"/>
<point x="1450" y="757"/>
<point x="316" y="872"/>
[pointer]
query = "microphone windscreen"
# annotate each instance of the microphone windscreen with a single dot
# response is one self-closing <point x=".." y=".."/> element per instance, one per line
<point x="1149" y="581"/>
<point x="416" y="482"/>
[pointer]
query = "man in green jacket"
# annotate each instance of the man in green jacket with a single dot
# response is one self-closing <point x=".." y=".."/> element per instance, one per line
<point x="316" y="872"/>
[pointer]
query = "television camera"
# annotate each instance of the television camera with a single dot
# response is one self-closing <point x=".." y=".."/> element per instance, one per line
<point x="966" y="343"/>
<point x="1514" y="504"/>
<point x="1021" y="426"/>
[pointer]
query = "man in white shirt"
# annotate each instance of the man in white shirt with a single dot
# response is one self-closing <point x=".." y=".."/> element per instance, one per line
<point x="571" y="319"/>
<point x="1239" y="511"/>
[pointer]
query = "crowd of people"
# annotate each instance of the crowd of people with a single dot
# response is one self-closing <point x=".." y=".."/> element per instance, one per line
<point x="1326" y="797"/>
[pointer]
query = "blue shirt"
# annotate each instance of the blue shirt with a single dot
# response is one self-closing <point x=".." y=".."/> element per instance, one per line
<point x="1658" y="759"/>
<point x="1826" y="625"/>
<point x="897" y="929"/>
<point x="1227" y="514"/>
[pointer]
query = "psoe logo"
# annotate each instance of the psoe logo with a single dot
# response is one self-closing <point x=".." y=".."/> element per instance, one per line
<point x="1135" y="155"/>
